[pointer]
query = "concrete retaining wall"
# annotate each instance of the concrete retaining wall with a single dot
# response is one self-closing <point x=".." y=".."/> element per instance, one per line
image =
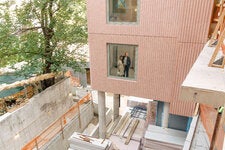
<point x="21" y="126"/>
<point x="60" y="142"/>
<point x="95" y="132"/>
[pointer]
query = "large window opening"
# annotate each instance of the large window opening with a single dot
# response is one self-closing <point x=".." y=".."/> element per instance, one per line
<point x="122" y="10"/>
<point x="122" y="60"/>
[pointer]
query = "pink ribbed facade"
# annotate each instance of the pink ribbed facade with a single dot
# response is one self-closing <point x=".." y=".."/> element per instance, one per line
<point x="169" y="34"/>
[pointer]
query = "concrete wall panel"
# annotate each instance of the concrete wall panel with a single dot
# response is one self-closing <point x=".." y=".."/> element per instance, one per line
<point x="60" y="142"/>
<point x="24" y="124"/>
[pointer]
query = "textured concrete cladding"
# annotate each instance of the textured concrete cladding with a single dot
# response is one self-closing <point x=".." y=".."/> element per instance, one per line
<point x="170" y="34"/>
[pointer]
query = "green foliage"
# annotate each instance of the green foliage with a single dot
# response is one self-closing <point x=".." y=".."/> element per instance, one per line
<point x="43" y="33"/>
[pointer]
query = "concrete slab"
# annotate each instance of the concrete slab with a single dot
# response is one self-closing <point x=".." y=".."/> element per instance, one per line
<point x="204" y="84"/>
<point x="77" y="142"/>
<point x="136" y="101"/>
<point x="119" y="142"/>
<point x="165" y="135"/>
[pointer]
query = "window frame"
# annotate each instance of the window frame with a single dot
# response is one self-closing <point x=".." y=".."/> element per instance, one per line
<point x="135" y="62"/>
<point x="122" y="22"/>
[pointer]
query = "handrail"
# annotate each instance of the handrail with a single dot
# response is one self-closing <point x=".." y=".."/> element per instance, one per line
<point x="56" y="127"/>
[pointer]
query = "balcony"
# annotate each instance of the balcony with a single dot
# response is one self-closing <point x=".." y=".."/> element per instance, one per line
<point x="204" y="84"/>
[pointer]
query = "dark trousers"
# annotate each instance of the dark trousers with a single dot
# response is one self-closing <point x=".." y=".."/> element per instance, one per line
<point x="126" y="71"/>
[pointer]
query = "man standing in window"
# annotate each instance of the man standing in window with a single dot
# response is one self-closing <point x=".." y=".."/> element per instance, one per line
<point x="126" y="62"/>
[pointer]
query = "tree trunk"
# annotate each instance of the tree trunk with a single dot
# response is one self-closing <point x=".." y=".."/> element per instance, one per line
<point x="47" y="83"/>
<point x="47" y="25"/>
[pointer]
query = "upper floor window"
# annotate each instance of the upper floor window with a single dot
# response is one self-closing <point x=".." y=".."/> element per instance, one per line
<point x="122" y="10"/>
<point x="122" y="59"/>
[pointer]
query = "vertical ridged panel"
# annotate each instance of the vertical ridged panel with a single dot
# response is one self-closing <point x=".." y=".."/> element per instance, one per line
<point x="188" y="20"/>
<point x="151" y="81"/>
<point x="195" y="20"/>
<point x="170" y="35"/>
<point x="182" y="108"/>
<point x="186" y="55"/>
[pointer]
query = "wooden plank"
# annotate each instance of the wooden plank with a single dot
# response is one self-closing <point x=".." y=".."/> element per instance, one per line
<point x="196" y="109"/>
<point x="111" y="129"/>
<point x="132" y="131"/>
<point x="217" y="49"/>
<point x="123" y="124"/>
<point x="214" y="35"/>
<point x="120" y="123"/>
<point x="221" y="10"/>
<point x="127" y="127"/>
<point x="79" y="115"/>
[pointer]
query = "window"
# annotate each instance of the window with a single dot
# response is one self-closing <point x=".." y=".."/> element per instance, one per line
<point x="122" y="10"/>
<point x="122" y="60"/>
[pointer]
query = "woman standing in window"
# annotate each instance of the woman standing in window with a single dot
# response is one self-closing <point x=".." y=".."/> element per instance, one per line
<point x="120" y="66"/>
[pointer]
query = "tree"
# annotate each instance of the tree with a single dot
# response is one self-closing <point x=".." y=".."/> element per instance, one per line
<point x="47" y="34"/>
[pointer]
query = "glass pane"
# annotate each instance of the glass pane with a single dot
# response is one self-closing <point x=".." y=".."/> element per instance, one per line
<point x="123" y="10"/>
<point x="121" y="60"/>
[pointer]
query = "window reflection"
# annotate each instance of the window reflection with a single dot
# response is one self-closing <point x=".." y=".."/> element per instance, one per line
<point x="122" y="60"/>
<point x="122" y="10"/>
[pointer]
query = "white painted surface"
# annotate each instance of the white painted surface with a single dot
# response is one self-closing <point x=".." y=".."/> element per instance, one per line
<point x="224" y="143"/>
<point x="165" y="115"/>
<point x="138" y="99"/>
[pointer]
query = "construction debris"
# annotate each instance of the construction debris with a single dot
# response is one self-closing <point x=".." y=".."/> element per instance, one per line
<point x="134" y="126"/>
<point x="139" y="112"/>
<point x="128" y="132"/>
<point x="83" y="142"/>
<point x="26" y="82"/>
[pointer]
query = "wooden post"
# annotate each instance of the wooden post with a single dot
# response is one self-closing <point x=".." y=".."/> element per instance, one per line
<point x="216" y="51"/>
<point x="61" y="124"/>
<point x="79" y="115"/>
<point x="221" y="10"/>
<point x="122" y="126"/>
<point x="196" y="109"/>
<point x="36" y="144"/>
<point x="214" y="35"/>
<point x="212" y="144"/>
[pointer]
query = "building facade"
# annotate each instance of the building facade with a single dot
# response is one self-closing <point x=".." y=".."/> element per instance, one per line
<point x="161" y="38"/>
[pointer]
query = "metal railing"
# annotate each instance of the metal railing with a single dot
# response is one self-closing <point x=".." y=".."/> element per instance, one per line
<point x="57" y="126"/>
